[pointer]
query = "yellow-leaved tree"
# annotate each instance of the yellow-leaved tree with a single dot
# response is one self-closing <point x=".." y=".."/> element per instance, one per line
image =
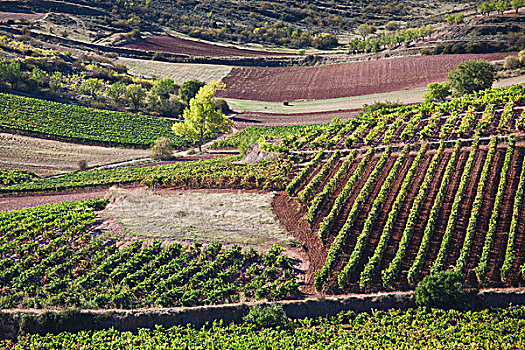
<point x="202" y="119"/>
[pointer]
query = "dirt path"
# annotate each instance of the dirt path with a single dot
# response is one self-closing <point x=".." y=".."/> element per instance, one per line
<point x="16" y="202"/>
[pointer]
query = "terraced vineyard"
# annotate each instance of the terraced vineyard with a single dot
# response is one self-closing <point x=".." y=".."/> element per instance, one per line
<point x="388" y="218"/>
<point x="59" y="121"/>
<point x="496" y="111"/>
<point x="50" y="258"/>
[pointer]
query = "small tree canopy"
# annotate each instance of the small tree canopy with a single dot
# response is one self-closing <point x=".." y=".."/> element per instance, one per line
<point x="437" y="92"/>
<point x="443" y="290"/>
<point x="164" y="88"/>
<point x="470" y="76"/>
<point x="136" y="94"/>
<point x="189" y="89"/>
<point x="202" y="119"/>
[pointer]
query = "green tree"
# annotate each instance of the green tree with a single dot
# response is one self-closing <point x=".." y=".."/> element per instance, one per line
<point x="517" y="4"/>
<point x="162" y="149"/>
<point x="189" y="89"/>
<point x="470" y="76"/>
<point x="117" y="91"/>
<point x="202" y="119"/>
<point x="10" y="72"/>
<point x="443" y="290"/>
<point x="163" y="88"/>
<point x="437" y="92"/>
<point x="55" y="81"/>
<point x="366" y="29"/>
<point x="136" y="94"/>
<point x="90" y="87"/>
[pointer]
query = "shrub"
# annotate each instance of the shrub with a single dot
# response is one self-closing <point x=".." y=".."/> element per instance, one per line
<point x="162" y="149"/>
<point x="82" y="165"/>
<point x="443" y="290"/>
<point x="222" y="106"/>
<point x="272" y="316"/>
<point x="511" y="62"/>
<point x="437" y="92"/>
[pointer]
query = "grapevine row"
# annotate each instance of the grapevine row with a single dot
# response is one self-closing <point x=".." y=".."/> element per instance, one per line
<point x="375" y="259"/>
<point x="482" y="267"/>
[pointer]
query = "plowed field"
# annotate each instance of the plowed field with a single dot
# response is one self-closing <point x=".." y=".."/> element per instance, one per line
<point x="4" y="16"/>
<point x="279" y="84"/>
<point x="194" y="48"/>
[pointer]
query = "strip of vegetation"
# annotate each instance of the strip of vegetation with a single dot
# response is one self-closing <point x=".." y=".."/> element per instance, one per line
<point x="341" y="199"/>
<point x="510" y="254"/>
<point x="482" y="267"/>
<point x="414" y="270"/>
<point x="214" y="173"/>
<point x="303" y="174"/>
<point x="336" y="247"/>
<point x="377" y="205"/>
<point x="476" y="206"/>
<point x="329" y="189"/>
<point x="392" y="271"/>
<point x="306" y="194"/>
<point x="373" y="262"/>
<point x="392" y="329"/>
<point x="456" y="205"/>
<point x="12" y="177"/>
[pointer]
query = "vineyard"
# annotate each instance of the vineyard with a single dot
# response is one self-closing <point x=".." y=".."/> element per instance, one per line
<point x="404" y="192"/>
<point x="81" y="124"/>
<point x="213" y="173"/>
<point x="422" y="329"/>
<point x="497" y="111"/>
<point x="50" y="258"/>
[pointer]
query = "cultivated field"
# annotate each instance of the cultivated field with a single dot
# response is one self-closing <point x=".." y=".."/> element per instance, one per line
<point x="195" y="48"/>
<point x="179" y="72"/>
<point x="341" y="80"/>
<point x="48" y="157"/>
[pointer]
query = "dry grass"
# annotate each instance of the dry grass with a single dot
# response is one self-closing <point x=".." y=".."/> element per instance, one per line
<point x="187" y="217"/>
<point x="48" y="157"/>
<point x="179" y="72"/>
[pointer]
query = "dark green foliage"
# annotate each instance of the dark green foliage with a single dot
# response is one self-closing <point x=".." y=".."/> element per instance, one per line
<point x="272" y="316"/>
<point x="471" y="76"/>
<point x="189" y="89"/>
<point x="443" y="290"/>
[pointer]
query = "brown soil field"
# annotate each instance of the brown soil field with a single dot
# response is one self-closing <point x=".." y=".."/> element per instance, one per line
<point x="278" y="84"/>
<point x="5" y="16"/>
<point x="195" y="48"/>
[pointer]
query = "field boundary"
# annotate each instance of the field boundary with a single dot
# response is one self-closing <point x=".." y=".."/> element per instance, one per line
<point x="22" y="321"/>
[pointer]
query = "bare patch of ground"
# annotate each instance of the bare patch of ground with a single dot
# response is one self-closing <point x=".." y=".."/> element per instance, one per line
<point x="186" y="216"/>
<point x="48" y="157"/>
<point x="179" y="72"/>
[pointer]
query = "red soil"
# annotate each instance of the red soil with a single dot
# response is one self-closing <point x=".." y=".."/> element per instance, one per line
<point x="195" y="48"/>
<point x="342" y="80"/>
<point x="4" y="16"/>
<point x="245" y="120"/>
